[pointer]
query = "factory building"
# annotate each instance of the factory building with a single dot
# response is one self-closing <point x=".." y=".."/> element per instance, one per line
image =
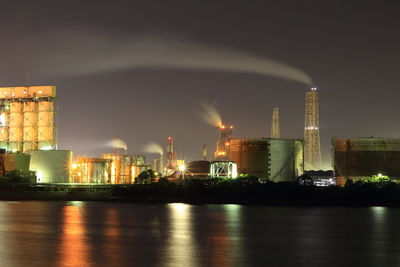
<point x="51" y="166"/>
<point x="275" y="159"/>
<point x="28" y="117"/>
<point x="360" y="158"/>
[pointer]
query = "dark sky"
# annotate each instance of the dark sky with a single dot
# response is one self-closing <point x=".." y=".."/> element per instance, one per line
<point x="92" y="51"/>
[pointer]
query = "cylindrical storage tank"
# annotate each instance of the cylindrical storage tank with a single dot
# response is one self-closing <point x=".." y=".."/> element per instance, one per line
<point x="16" y="126"/>
<point x="52" y="166"/>
<point x="251" y="156"/>
<point x="16" y="162"/>
<point x="4" y="133"/>
<point x="45" y="124"/>
<point x="30" y="123"/>
<point x="198" y="169"/>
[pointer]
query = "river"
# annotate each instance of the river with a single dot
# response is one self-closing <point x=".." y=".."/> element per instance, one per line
<point x="38" y="233"/>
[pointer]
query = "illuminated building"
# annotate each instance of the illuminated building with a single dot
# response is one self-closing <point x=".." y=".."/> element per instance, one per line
<point x="275" y="159"/>
<point x="225" y="135"/>
<point x="223" y="169"/>
<point x="125" y="169"/>
<point x="28" y="118"/>
<point x="275" y="126"/>
<point x="312" y="147"/>
<point x="360" y="158"/>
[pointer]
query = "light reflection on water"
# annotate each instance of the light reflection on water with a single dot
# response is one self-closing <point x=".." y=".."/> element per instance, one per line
<point x="79" y="234"/>
<point x="73" y="249"/>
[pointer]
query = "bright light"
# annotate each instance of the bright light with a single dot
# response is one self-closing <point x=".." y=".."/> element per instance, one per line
<point x="46" y="148"/>
<point x="2" y="119"/>
<point x="380" y="175"/>
<point x="74" y="166"/>
<point x="234" y="171"/>
<point x="182" y="167"/>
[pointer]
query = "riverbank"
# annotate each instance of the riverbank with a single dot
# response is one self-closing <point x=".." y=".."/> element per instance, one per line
<point x="212" y="191"/>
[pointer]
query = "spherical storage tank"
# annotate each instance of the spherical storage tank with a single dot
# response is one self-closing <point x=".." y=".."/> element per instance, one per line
<point x="51" y="166"/>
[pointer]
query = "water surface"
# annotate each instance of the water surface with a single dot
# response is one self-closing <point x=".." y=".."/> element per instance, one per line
<point x="35" y="233"/>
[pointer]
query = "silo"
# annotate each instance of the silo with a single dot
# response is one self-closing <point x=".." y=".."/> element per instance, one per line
<point x="16" y="126"/>
<point x="276" y="159"/>
<point x="45" y="124"/>
<point x="4" y="129"/>
<point x="52" y="166"/>
<point x="30" y="126"/>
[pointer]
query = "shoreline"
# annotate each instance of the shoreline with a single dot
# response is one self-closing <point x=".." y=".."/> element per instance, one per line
<point x="270" y="194"/>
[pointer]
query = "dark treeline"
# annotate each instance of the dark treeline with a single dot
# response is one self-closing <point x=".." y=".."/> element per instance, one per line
<point x="199" y="191"/>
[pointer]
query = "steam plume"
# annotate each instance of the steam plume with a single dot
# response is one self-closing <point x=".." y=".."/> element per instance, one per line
<point x="118" y="143"/>
<point x="210" y="114"/>
<point x="153" y="148"/>
<point x="92" y="54"/>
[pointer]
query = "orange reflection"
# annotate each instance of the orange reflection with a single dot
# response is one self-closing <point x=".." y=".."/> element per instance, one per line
<point x="112" y="232"/>
<point x="73" y="249"/>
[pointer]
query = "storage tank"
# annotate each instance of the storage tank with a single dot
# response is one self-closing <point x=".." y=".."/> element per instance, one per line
<point x="30" y="123"/>
<point x="16" y="126"/>
<point x="121" y="168"/>
<point x="4" y="129"/>
<point x="16" y="162"/>
<point x="360" y="158"/>
<point x="198" y="169"/>
<point x="91" y="170"/>
<point x="275" y="159"/>
<point x="45" y="124"/>
<point x="52" y="166"/>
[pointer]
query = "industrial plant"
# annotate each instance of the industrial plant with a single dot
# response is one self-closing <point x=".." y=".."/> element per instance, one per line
<point x="29" y="137"/>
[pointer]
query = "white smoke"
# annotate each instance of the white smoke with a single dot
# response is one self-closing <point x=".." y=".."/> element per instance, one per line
<point x="118" y="143"/>
<point x="92" y="54"/>
<point x="209" y="113"/>
<point x="153" y="148"/>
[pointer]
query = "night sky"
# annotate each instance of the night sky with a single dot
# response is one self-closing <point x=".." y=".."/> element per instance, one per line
<point x="123" y="68"/>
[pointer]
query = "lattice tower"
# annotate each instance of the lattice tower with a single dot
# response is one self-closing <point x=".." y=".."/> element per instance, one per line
<point x="275" y="125"/>
<point x="312" y="147"/>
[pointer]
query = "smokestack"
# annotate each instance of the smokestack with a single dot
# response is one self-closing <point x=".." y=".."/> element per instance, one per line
<point x="204" y="152"/>
<point x="171" y="156"/>
<point x="161" y="164"/>
<point x="275" y="125"/>
<point x="312" y="147"/>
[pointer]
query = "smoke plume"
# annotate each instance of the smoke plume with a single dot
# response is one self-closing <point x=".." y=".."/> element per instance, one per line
<point x="118" y="143"/>
<point x="153" y="148"/>
<point x="209" y="113"/>
<point x="93" y="54"/>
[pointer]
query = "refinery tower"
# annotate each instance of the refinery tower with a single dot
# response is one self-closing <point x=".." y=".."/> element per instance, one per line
<point x="28" y="118"/>
<point x="312" y="147"/>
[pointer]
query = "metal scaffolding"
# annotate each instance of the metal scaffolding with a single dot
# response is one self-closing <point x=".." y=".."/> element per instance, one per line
<point x="28" y="118"/>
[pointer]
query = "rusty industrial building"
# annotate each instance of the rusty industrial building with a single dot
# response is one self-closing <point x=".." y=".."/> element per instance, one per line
<point x="360" y="158"/>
